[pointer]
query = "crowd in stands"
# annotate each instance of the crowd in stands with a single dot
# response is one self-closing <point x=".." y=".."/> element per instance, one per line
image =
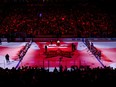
<point x="81" y="20"/>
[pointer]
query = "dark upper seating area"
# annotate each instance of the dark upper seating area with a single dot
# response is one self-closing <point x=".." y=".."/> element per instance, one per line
<point x="57" y="19"/>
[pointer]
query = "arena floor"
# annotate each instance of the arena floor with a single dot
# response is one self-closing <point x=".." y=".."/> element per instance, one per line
<point x="57" y="55"/>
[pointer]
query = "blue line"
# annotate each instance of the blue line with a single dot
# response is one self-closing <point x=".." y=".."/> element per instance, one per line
<point x="99" y="61"/>
<point x="18" y="63"/>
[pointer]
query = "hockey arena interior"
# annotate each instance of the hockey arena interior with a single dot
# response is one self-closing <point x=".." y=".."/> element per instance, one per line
<point x="57" y="40"/>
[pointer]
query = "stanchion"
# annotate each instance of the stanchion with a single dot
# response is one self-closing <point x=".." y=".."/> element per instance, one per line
<point x="43" y="63"/>
<point x="48" y="64"/>
<point x="4" y="64"/>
